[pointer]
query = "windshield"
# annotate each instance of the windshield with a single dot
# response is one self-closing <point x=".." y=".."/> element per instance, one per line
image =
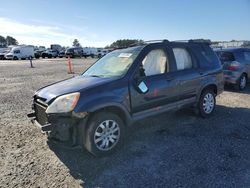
<point x="69" y="50"/>
<point x="115" y="63"/>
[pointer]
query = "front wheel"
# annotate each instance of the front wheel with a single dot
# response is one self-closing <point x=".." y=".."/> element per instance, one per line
<point x="104" y="134"/>
<point x="207" y="103"/>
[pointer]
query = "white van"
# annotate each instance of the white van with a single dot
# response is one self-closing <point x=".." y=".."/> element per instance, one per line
<point x="20" y="52"/>
<point x="90" y="52"/>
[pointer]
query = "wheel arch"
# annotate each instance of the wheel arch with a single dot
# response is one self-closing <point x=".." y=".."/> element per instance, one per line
<point x="211" y="86"/>
<point x="245" y="73"/>
<point x="115" y="108"/>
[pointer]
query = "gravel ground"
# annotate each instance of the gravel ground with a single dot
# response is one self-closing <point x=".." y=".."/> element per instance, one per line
<point x="176" y="149"/>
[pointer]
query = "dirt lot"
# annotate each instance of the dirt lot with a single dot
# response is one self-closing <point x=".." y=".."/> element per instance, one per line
<point x="171" y="150"/>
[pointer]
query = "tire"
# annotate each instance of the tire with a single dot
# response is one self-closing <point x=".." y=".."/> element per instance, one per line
<point x="241" y="83"/>
<point x="207" y="103"/>
<point x="99" y="144"/>
<point x="15" y="58"/>
<point x="43" y="56"/>
<point x="49" y="56"/>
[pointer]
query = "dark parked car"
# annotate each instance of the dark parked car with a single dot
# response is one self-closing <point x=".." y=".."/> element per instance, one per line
<point x="74" y="52"/>
<point x="2" y="55"/>
<point x="126" y="85"/>
<point x="38" y="53"/>
<point x="61" y="54"/>
<point x="236" y="66"/>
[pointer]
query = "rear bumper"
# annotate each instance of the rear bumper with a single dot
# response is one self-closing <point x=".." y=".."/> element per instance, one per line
<point x="231" y="77"/>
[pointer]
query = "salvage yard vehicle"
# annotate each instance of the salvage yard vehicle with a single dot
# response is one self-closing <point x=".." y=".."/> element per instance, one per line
<point x="20" y="52"/>
<point x="236" y="66"/>
<point x="90" y="52"/>
<point x="127" y="85"/>
<point x="73" y="52"/>
<point x="2" y="54"/>
<point x="61" y="54"/>
<point x="49" y="53"/>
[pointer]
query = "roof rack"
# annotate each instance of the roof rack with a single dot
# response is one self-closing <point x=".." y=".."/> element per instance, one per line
<point x="148" y="42"/>
<point x="153" y="41"/>
<point x="207" y="41"/>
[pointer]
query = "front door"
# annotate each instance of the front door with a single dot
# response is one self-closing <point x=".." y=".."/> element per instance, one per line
<point x="153" y="85"/>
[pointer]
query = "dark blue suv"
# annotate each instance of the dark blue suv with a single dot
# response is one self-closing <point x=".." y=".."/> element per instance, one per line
<point x="94" y="108"/>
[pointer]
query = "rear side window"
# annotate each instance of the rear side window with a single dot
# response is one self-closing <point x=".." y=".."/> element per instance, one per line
<point x="226" y="56"/>
<point x="206" y="56"/>
<point x="247" y="56"/>
<point x="183" y="59"/>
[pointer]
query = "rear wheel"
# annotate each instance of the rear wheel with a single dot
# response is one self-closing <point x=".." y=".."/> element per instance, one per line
<point x="242" y="83"/>
<point x="207" y="103"/>
<point x="104" y="134"/>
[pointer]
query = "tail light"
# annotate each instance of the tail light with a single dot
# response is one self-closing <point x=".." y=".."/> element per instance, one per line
<point x="233" y="66"/>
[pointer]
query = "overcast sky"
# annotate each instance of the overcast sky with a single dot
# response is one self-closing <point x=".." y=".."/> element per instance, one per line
<point x="100" y="22"/>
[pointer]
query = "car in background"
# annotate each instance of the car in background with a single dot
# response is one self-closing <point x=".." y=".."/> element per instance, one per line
<point x="2" y="54"/>
<point x="94" y="109"/>
<point x="56" y="47"/>
<point x="61" y="54"/>
<point x="236" y="66"/>
<point x="102" y="52"/>
<point x="38" y="53"/>
<point x="49" y="53"/>
<point x="74" y="52"/>
<point x="90" y="52"/>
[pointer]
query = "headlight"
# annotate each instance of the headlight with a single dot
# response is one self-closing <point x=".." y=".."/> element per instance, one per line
<point x="64" y="103"/>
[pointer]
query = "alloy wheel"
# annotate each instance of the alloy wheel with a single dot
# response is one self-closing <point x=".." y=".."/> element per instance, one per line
<point x="208" y="103"/>
<point x="107" y="135"/>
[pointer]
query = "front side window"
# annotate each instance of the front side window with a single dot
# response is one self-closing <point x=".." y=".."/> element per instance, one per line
<point x="115" y="63"/>
<point x="182" y="58"/>
<point x="155" y="62"/>
<point x="16" y="51"/>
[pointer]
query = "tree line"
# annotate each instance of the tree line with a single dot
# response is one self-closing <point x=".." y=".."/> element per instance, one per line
<point x="5" y="42"/>
<point x="122" y="43"/>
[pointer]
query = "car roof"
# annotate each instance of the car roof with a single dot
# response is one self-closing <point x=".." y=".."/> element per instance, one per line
<point x="231" y="49"/>
<point x="179" y="42"/>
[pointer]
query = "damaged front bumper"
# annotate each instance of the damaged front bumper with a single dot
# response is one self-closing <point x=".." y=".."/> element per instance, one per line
<point x="67" y="127"/>
<point x="45" y="128"/>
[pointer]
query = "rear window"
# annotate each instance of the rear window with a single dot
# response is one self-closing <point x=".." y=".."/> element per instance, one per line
<point x="206" y="56"/>
<point x="247" y="56"/>
<point x="226" y="56"/>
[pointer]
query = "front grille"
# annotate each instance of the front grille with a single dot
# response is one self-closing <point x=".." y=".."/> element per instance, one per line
<point x="41" y="115"/>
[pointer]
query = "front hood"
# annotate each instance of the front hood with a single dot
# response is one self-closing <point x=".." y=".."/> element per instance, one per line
<point x="71" y="85"/>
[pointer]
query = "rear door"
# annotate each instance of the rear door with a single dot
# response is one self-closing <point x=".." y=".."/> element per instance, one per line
<point x="154" y="74"/>
<point x="187" y="73"/>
